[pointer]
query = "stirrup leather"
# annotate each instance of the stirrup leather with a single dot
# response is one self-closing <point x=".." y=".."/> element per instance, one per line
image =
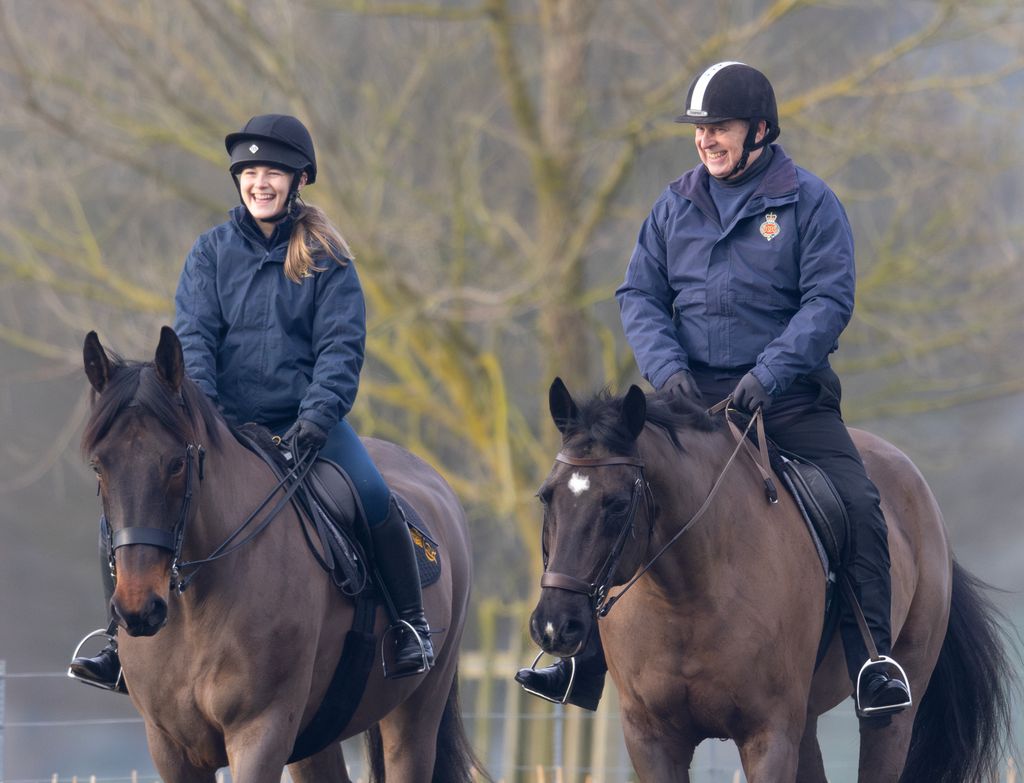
<point x="118" y="684"/>
<point x="883" y="662"/>
<point x="393" y="629"/>
<point x="568" y="689"/>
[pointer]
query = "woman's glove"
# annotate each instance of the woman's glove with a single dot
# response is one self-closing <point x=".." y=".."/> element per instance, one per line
<point x="749" y="394"/>
<point x="305" y="436"/>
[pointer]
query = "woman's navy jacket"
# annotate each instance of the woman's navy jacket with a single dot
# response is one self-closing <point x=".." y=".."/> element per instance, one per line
<point x="771" y="292"/>
<point x="264" y="348"/>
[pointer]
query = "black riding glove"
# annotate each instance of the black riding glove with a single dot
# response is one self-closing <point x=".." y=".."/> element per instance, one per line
<point x="749" y="394"/>
<point x="682" y="383"/>
<point x="305" y="436"/>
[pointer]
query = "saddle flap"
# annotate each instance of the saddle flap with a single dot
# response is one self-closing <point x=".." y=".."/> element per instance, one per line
<point x="332" y="490"/>
<point x="822" y="505"/>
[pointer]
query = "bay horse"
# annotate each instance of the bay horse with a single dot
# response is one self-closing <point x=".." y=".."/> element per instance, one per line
<point x="229" y="672"/>
<point x="719" y="637"/>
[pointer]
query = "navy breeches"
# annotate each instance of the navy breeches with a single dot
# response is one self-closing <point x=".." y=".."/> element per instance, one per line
<point x="344" y="448"/>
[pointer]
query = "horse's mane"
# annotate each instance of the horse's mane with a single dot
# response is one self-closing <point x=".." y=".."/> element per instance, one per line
<point x="598" y="421"/>
<point x="137" y="384"/>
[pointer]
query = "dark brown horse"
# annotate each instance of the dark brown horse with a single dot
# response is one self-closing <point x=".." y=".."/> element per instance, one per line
<point x="718" y="638"/>
<point x="231" y="671"/>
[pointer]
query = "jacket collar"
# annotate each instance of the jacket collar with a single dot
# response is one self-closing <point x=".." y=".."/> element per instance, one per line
<point x="778" y="180"/>
<point x="245" y="224"/>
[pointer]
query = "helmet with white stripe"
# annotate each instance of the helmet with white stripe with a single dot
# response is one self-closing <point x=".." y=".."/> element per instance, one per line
<point x="734" y="91"/>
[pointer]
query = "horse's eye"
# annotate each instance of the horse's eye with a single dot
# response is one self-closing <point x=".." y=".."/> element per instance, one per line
<point x="95" y="467"/>
<point x="177" y="466"/>
<point x="616" y="507"/>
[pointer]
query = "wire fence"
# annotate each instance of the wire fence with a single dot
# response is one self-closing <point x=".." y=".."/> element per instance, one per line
<point x="518" y="738"/>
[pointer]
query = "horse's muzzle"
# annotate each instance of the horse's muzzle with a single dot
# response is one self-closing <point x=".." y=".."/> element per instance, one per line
<point x="145" y="622"/>
<point x="559" y="634"/>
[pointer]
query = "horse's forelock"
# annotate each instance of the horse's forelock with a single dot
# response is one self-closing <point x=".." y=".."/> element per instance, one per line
<point x="137" y="384"/>
<point x="599" y="421"/>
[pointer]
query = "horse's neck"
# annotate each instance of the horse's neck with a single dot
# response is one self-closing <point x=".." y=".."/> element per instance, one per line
<point x="236" y="482"/>
<point x="731" y="527"/>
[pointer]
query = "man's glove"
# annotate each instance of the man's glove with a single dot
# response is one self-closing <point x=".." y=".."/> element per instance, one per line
<point x="305" y="436"/>
<point x="749" y="394"/>
<point x="682" y="383"/>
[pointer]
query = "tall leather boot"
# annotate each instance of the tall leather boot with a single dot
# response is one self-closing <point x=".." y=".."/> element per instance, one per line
<point x="396" y="564"/>
<point x="103" y="670"/>
<point x="880" y="694"/>
<point x="578" y="681"/>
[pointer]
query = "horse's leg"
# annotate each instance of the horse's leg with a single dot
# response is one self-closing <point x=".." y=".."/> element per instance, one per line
<point x="409" y="732"/>
<point x="769" y="755"/>
<point x="327" y="766"/>
<point x="658" y="752"/>
<point x="811" y="768"/>
<point x="172" y="763"/>
<point x="883" y="750"/>
<point x="259" y="748"/>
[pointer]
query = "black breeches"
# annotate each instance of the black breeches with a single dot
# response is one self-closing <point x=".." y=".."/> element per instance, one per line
<point x="806" y="420"/>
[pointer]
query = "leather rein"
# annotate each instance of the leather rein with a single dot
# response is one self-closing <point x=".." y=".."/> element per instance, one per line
<point x="173" y="539"/>
<point x="598" y="591"/>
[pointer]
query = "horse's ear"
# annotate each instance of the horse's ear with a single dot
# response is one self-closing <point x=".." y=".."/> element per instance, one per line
<point x="170" y="364"/>
<point x="563" y="408"/>
<point x="97" y="365"/>
<point x="634" y="411"/>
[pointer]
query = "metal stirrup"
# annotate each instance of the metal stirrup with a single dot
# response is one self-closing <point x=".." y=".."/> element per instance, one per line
<point x="118" y="684"/>
<point x="396" y="628"/>
<point x="568" y="689"/>
<point x="883" y="662"/>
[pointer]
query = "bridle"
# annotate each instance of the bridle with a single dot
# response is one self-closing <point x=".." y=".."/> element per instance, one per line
<point x="173" y="539"/>
<point x="597" y="591"/>
<point x="601" y="602"/>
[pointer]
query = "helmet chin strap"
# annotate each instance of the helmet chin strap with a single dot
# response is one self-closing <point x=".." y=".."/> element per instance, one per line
<point x="750" y="144"/>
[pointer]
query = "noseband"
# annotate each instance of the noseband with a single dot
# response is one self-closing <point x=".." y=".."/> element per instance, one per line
<point x="170" y="540"/>
<point x="597" y="591"/>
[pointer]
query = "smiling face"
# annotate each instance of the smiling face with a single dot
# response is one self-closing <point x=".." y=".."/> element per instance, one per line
<point x="720" y="146"/>
<point x="264" y="191"/>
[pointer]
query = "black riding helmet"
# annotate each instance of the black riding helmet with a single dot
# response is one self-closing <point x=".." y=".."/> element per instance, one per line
<point x="734" y="91"/>
<point x="274" y="140"/>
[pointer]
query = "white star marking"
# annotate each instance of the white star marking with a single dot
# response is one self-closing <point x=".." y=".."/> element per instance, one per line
<point x="578" y="484"/>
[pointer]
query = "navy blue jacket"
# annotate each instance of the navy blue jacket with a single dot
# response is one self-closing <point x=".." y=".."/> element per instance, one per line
<point x="772" y="291"/>
<point x="264" y="348"/>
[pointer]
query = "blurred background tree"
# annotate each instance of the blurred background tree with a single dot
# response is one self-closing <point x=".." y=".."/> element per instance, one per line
<point x="490" y="162"/>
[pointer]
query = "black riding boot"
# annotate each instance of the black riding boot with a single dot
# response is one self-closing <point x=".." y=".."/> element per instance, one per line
<point x="565" y="683"/>
<point x="104" y="670"/>
<point x="881" y="692"/>
<point x="396" y="564"/>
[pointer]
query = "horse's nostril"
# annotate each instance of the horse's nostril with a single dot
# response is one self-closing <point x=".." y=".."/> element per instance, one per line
<point x="157" y="614"/>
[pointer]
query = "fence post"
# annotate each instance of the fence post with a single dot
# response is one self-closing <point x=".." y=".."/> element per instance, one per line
<point x="3" y="716"/>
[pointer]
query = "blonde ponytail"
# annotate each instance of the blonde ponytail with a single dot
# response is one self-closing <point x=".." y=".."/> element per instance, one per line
<point x="313" y="235"/>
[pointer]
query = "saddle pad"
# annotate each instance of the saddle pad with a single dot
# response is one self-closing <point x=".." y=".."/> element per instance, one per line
<point x="428" y="556"/>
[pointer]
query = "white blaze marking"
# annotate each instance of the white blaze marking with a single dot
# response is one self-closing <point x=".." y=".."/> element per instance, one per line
<point x="578" y="484"/>
<point x="549" y="631"/>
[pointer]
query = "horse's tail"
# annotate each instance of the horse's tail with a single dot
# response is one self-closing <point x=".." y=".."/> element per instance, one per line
<point x="374" y="754"/>
<point x="455" y="761"/>
<point x="963" y="726"/>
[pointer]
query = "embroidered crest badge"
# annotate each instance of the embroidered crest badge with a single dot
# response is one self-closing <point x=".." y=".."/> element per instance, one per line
<point x="254" y="149"/>
<point x="770" y="229"/>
